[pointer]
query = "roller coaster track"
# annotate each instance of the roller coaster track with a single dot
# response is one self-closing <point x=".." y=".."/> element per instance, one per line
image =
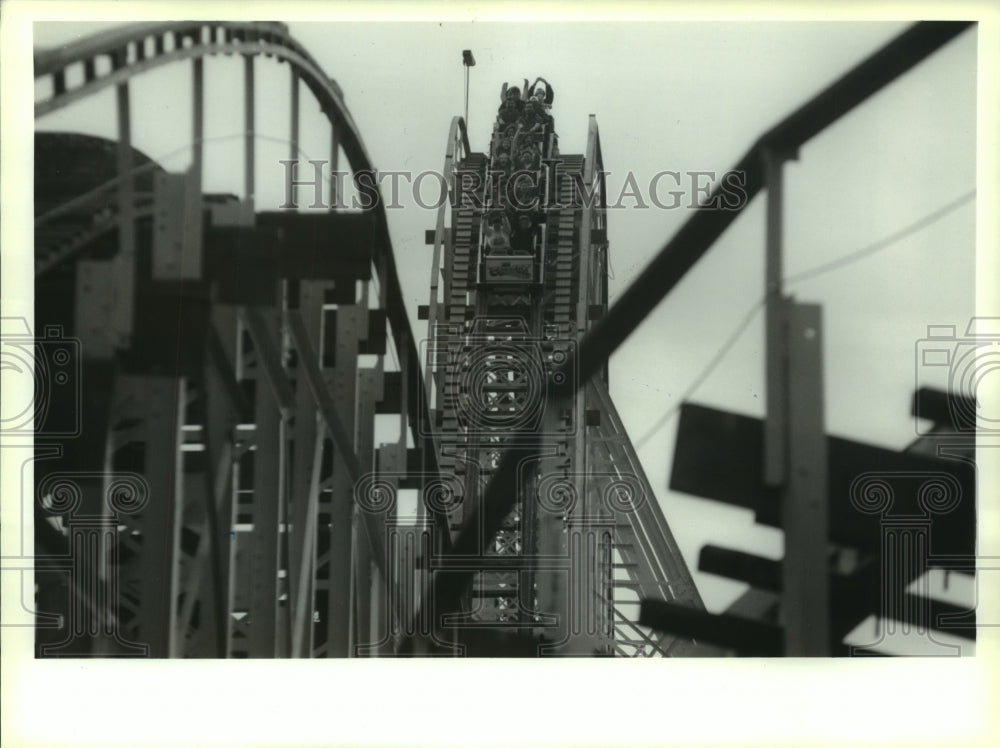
<point x="237" y="618"/>
<point x="115" y="56"/>
<point x="615" y="558"/>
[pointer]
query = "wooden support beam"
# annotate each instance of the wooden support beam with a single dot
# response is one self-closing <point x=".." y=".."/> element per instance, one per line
<point x="335" y="196"/>
<point x="249" y="115"/>
<point x="264" y="331"/>
<point x="153" y="450"/>
<point x="806" y="582"/>
<point x="719" y="456"/>
<point x="342" y="384"/>
<point x="302" y="592"/>
<point x="257" y="549"/>
<point x="307" y="438"/>
<point x="748" y="637"/>
<point x="213" y="562"/>
<point x="308" y="360"/>
<point x="366" y="584"/>
<point x="293" y="137"/>
<point x="200" y="587"/>
<point x="776" y="361"/>
<point x="124" y="261"/>
<point x="198" y="118"/>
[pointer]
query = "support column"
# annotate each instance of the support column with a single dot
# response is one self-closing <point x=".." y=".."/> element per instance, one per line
<point x="293" y="139"/>
<point x="343" y="389"/>
<point x="335" y="195"/>
<point x="249" y="162"/>
<point x="256" y="591"/>
<point x="147" y="416"/>
<point x="198" y="118"/>
<point x="776" y="423"/>
<point x="805" y="568"/>
<point x="211" y="580"/>
<point x="364" y="580"/>
<point x="307" y="453"/>
<point x="124" y="262"/>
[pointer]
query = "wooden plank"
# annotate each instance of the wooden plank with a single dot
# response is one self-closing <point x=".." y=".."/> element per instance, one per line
<point x="719" y="456"/>
<point x="748" y="637"/>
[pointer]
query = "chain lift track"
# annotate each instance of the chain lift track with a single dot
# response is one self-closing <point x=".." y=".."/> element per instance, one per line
<point x="523" y="275"/>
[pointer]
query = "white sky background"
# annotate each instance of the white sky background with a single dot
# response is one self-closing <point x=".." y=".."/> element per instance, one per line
<point x="676" y="96"/>
<point x="668" y="96"/>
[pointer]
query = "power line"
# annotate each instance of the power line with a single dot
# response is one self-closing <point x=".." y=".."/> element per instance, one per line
<point x="923" y="223"/>
<point x="704" y="374"/>
<point x="796" y="278"/>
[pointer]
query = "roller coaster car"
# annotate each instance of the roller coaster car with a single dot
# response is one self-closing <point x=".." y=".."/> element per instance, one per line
<point x="523" y="135"/>
<point x="510" y="256"/>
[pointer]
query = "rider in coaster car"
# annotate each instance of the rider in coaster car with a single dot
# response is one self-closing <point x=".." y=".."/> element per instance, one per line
<point x="528" y="158"/>
<point x="497" y="233"/>
<point x="543" y="95"/>
<point x="526" y="194"/>
<point x="511" y="104"/>
<point x="539" y="103"/>
<point x="523" y="241"/>
<point x="535" y="118"/>
<point x="509" y="112"/>
<point x="503" y="163"/>
<point x="513" y="93"/>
